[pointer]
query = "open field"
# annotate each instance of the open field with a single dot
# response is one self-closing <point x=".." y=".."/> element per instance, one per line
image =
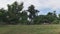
<point x="30" y="29"/>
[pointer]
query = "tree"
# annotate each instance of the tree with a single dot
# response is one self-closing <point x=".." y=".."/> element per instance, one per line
<point x="14" y="12"/>
<point x="24" y="16"/>
<point x="49" y="14"/>
<point x="33" y="12"/>
<point x="39" y="19"/>
<point x="49" y="18"/>
<point x="54" y="14"/>
<point x="59" y="16"/>
<point x="3" y="16"/>
<point x="56" y="22"/>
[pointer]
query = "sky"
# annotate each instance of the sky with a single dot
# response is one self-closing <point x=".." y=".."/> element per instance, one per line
<point x="44" y="6"/>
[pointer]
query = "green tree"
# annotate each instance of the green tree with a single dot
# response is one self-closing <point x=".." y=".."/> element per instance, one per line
<point x="59" y="16"/>
<point x="49" y="18"/>
<point x="33" y="12"/>
<point x="24" y="16"/>
<point x="3" y="16"/>
<point x="54" y="14"/>
<point x="14" y="12"/>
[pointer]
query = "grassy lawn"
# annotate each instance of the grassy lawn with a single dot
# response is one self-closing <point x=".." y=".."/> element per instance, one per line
<point x="30" y="29"/>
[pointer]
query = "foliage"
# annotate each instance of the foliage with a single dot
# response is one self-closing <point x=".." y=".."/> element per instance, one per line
<point x="56" y="22"/>
<point x="33" y="12"/>
<point x="16" y="15"/>
<point x="14" y="12"/>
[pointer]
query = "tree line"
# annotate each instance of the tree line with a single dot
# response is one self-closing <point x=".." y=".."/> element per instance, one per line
<point x="16" y="15"/>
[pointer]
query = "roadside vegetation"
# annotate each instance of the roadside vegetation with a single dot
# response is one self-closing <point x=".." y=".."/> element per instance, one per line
<point x="16" y="15"/>
<point x="30" y="29"/>
<point x="15" y="20"/>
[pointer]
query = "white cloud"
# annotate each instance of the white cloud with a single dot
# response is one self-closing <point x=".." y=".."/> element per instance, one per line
<point x="39" y="4"/>
<point x="55" y="4"/>
<point x="27" y="3"/>
<point x="3" y="3"/>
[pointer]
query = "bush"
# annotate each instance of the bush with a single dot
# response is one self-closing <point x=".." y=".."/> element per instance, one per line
<point x="56" y="22"/>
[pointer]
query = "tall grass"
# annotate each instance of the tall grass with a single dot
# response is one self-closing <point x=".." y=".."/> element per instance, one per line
<point x="30" y="29"/>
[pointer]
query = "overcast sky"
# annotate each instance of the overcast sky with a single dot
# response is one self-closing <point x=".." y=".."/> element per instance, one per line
<point x="42" y="5"/>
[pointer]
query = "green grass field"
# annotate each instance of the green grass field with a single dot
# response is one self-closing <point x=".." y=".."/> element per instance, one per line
<point x="30" y="29"/>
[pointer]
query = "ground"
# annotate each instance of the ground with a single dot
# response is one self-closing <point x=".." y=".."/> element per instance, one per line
<point x="30" y="29"/>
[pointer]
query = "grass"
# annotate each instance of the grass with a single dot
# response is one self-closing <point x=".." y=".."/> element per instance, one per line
<point x="30" y="29"/>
